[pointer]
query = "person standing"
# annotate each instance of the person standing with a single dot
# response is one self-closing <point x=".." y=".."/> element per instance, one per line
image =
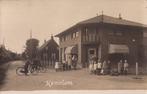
<point x="95" y="66"/>
<point x="26" y="66"/>
<point x="74" y="61"/>
<point x="120" y="67"/>
<point x="109" y="67"/>
<point x="104" y="68"/>
<point x="64" y="64"/>
<point x="126" y="65"/>
<point x="91" y="65"/>
<point x="56" y="66"/>
<point x="99" y="66"/>
<point x="69" y="62"/>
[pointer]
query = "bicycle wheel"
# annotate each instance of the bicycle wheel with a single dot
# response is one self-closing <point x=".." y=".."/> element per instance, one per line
<point x="43" y="70"/>
<point x="20" y="71"/>
<point x="33" y="70"/>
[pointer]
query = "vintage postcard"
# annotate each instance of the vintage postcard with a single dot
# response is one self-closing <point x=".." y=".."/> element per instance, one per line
<point x="97" y="46"/>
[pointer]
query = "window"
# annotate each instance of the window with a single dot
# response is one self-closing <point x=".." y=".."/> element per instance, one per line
<point x="66" y="37"/>
<point x="91" y="52"/>
<point x="63" y="38"/>
<point x="145" y="34"/>
<point x="77" y="34"/>
<point x="111" y="33"/>
<point x="74" y="35"/>
<point x="119" y="33"/>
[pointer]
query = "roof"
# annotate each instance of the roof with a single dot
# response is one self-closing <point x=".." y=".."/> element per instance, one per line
<point x="111" y="20"/>
<point x="108" y="20"/>
<point x="47" y="43"/>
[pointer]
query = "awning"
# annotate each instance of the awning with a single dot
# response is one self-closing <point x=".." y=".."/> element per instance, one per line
<point x="71" y="50"/>
<point x="118" y="48"/>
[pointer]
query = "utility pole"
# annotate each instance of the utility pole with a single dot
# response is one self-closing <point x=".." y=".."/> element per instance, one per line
<point x="30" y="33"/>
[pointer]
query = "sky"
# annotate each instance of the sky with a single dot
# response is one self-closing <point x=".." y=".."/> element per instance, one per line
<point x="46" y="17"/>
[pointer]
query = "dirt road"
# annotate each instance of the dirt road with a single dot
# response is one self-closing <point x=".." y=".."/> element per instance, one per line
<point x="69" y="80"/>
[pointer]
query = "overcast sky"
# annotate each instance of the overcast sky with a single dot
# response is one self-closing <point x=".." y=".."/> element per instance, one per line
<point x="46" y="17"/>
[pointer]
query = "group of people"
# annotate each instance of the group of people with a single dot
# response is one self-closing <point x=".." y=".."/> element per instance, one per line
<point x="68" y="64"/>
<point x="123" y="67"/>
<point x="97" y="67"/>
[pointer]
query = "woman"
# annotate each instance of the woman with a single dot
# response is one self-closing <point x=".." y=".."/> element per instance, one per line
<point x="95" y="67"/>
<point x="91" y="65"/>
<point x="99" y="66"/>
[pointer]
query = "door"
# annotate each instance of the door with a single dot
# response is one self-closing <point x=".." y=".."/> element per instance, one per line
<point x="91" y="52"/>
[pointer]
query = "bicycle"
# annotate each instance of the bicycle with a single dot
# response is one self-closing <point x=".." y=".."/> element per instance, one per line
<point x="31" y="70"/>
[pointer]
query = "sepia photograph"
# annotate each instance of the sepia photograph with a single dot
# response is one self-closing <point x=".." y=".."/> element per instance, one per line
<point x="76" y="45"/>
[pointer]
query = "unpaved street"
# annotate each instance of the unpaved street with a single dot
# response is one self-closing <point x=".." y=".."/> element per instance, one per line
<point x="69" y="80"/>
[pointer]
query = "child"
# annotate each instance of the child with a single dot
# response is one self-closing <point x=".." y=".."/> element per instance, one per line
<point x="56" y="66"/>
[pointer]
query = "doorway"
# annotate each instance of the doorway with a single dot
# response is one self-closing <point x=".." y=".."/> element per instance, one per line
<point x="91" y="52"/>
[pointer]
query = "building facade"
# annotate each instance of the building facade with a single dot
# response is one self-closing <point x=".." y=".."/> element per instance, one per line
<point x="49" y="52"/>
<point x="105" y="37"/>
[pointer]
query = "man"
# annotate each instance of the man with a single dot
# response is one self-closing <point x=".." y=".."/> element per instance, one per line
<point x="109" y="67"/>
<point x="120" y="67"/>
<point x="74" y="61"/>
<point x="126" y="65"/>
<point x="26" y="67"/>
<point x="64" y="64"/>
<point x="95" y="66"/>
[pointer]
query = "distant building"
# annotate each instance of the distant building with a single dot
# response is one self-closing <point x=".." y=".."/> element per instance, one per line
<point x="49" y="51"/>
<point x="105" y="37"/>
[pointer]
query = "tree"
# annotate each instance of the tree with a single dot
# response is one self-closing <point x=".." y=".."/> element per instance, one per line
<point x="31" y="48"/>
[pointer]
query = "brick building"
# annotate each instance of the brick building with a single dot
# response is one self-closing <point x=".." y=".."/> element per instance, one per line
<point x="105" y="37"/>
